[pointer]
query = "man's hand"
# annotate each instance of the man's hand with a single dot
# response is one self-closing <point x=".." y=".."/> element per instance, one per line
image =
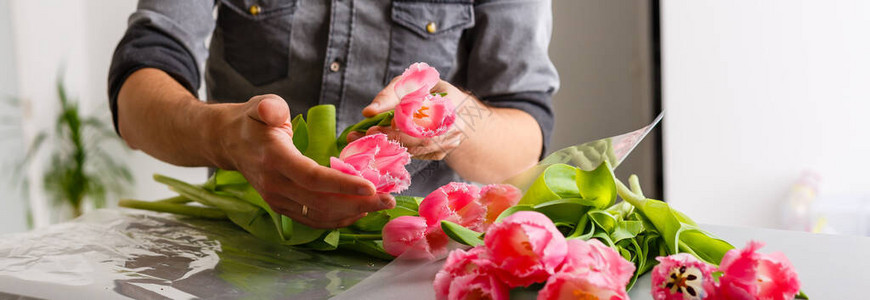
<point x="434" y="148"/>
<point x="257" y="141"/>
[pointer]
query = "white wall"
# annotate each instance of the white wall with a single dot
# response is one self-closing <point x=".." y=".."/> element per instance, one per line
<point x="756" y="92"/>
<point x="12" y="206"/>
<point x="81" y="36"/>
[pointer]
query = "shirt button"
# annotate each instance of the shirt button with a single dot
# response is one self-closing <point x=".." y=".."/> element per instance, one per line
<point x="334" y="66"/>
<point x="431" y="27"/>
<point x="254" y="10"/>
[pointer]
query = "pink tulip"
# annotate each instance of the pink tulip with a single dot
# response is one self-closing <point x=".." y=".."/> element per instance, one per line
<point x="525" y="248"/>
<point x="424" y="116"/>
<point x="467" y="275"/>
<point x="416" y="81"/>
<point x="378" y="160"/>
<point x="497" y="198"/>
<point x="411" y="234"/>
<point x="419" y="113"/>
<point x="748" y="274"/>
<point x="592" y="256"/>
<point x="682" y="276"/>
<point x="455" y="202"/>
<point x="564" y="286"/>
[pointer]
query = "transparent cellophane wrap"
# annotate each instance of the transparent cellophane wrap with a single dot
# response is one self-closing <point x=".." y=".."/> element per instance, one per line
<point x="121" y="253"/>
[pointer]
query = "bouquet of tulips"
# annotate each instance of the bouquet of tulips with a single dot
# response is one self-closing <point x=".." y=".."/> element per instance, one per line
<point x="566" y="232"/>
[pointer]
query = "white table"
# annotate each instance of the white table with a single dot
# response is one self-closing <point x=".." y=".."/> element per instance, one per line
<point x="116" y="254"/>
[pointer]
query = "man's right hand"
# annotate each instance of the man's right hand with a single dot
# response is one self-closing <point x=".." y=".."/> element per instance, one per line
<point x="159" y="116"/>
<point x="255" y="138"/>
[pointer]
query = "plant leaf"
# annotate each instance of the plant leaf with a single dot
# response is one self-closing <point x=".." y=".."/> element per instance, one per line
<point x="300" y="133"/>
<point x="321" y="134"/>
<point x="597" y="185"/>
<point x="555" y="182"/>
<point x="461" y="234"/>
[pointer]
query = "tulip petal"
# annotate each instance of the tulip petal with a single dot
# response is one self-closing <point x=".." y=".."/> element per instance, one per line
<point x="417" y="80"/>
<point x="526" y="247"/>
<point x="378" y="160"/>
<point x="455" y="202"/>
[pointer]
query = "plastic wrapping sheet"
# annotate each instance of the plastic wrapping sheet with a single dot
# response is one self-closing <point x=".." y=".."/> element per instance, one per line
<point x="409" y="278"/>
<point x="119" y="253"/>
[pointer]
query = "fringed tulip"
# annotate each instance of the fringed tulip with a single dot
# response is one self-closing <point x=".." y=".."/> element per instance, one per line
<point x="497" y="198"/>
<point x="525" y="248"/>
<point x="456" y="202"/>
<point x="682" y="276"/>
<point x="416" y="81"/>
<point x="565" y="286"/>
<point x="410" y="234"/>
<point x="419" y="113"/>
<point x="748" y="274"/>
<point x="467" y="275"/>
<point x="594" y="257"/>
<point x="426" y="116"/>
<point x="377" y="159"/>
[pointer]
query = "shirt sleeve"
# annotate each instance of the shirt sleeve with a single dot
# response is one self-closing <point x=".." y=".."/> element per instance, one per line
<point x="167" y="35"/>
<point x="508" y="65"/>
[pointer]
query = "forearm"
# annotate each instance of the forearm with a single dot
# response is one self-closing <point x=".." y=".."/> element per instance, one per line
<point x="160" y="117"/>
<point x="498" y="143"/>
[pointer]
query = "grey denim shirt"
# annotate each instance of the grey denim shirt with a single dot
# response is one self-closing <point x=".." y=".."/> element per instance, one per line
<point x="343" y="52"/>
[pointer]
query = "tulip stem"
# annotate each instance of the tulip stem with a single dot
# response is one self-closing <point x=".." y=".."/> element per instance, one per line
<point x="169" y="207"/>
<point x="628" y="195"/>
<point x="361" y="236"/>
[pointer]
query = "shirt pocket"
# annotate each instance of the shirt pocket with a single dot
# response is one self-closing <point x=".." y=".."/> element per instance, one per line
<point x="256" y="37"/>
<point x="427" y="32"/>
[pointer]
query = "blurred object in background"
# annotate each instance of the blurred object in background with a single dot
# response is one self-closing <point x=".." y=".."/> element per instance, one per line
<point x="843" y="214"/>
<point x="80" y="174"/>
<point x="797" y="203"/>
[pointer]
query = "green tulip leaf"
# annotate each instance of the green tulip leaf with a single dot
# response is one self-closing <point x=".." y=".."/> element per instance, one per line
<point x="461" y="234"/>
<point x="300" y="133"/>
<point x="555" y="182"/>
<point x="321" y="134"/>
<point x="597" y="185"/>
<point x="563" y="210"/>
<point x="603" y="220"/>
<point x="513" y="209"/>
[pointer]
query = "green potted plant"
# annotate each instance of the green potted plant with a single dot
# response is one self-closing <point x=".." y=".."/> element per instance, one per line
<point x="80" y="172"/>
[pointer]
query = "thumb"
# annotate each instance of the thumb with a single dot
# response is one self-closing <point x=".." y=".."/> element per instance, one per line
<point x="270" y="110"/>
<point x="384" y="101"/>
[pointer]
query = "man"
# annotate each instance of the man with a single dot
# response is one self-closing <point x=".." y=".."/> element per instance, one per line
<point x="270" y="59"/>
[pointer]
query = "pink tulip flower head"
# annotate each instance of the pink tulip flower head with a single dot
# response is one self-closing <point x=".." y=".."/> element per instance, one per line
<point x="748" y="274"/>
<point x="426" y="116"/>
<point x="468" y="275"/>
<point x="526" y="248"/>
<point x="455" y="202"/>
<point x="565" y="286"/>
<point x="411" y="235"/>
<point x="682" y="276"/>
<point x="377" y="159"/>
<point x="416" y="81"/>
<point x="419" y="113"/>
<point x="497" y="198"/>
<point x="592" y="256"/>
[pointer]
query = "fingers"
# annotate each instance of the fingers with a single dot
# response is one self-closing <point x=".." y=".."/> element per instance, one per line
<point x="385" y="100"/>
<point x="333" y="205"/>
<point x="324" y="211"/>
<point x="354" y="135"/>
<point x="322" y="179"/>
<point x="294" y="211"/>
<point x="425" y="148"/>
<point x="271" y="110"/>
